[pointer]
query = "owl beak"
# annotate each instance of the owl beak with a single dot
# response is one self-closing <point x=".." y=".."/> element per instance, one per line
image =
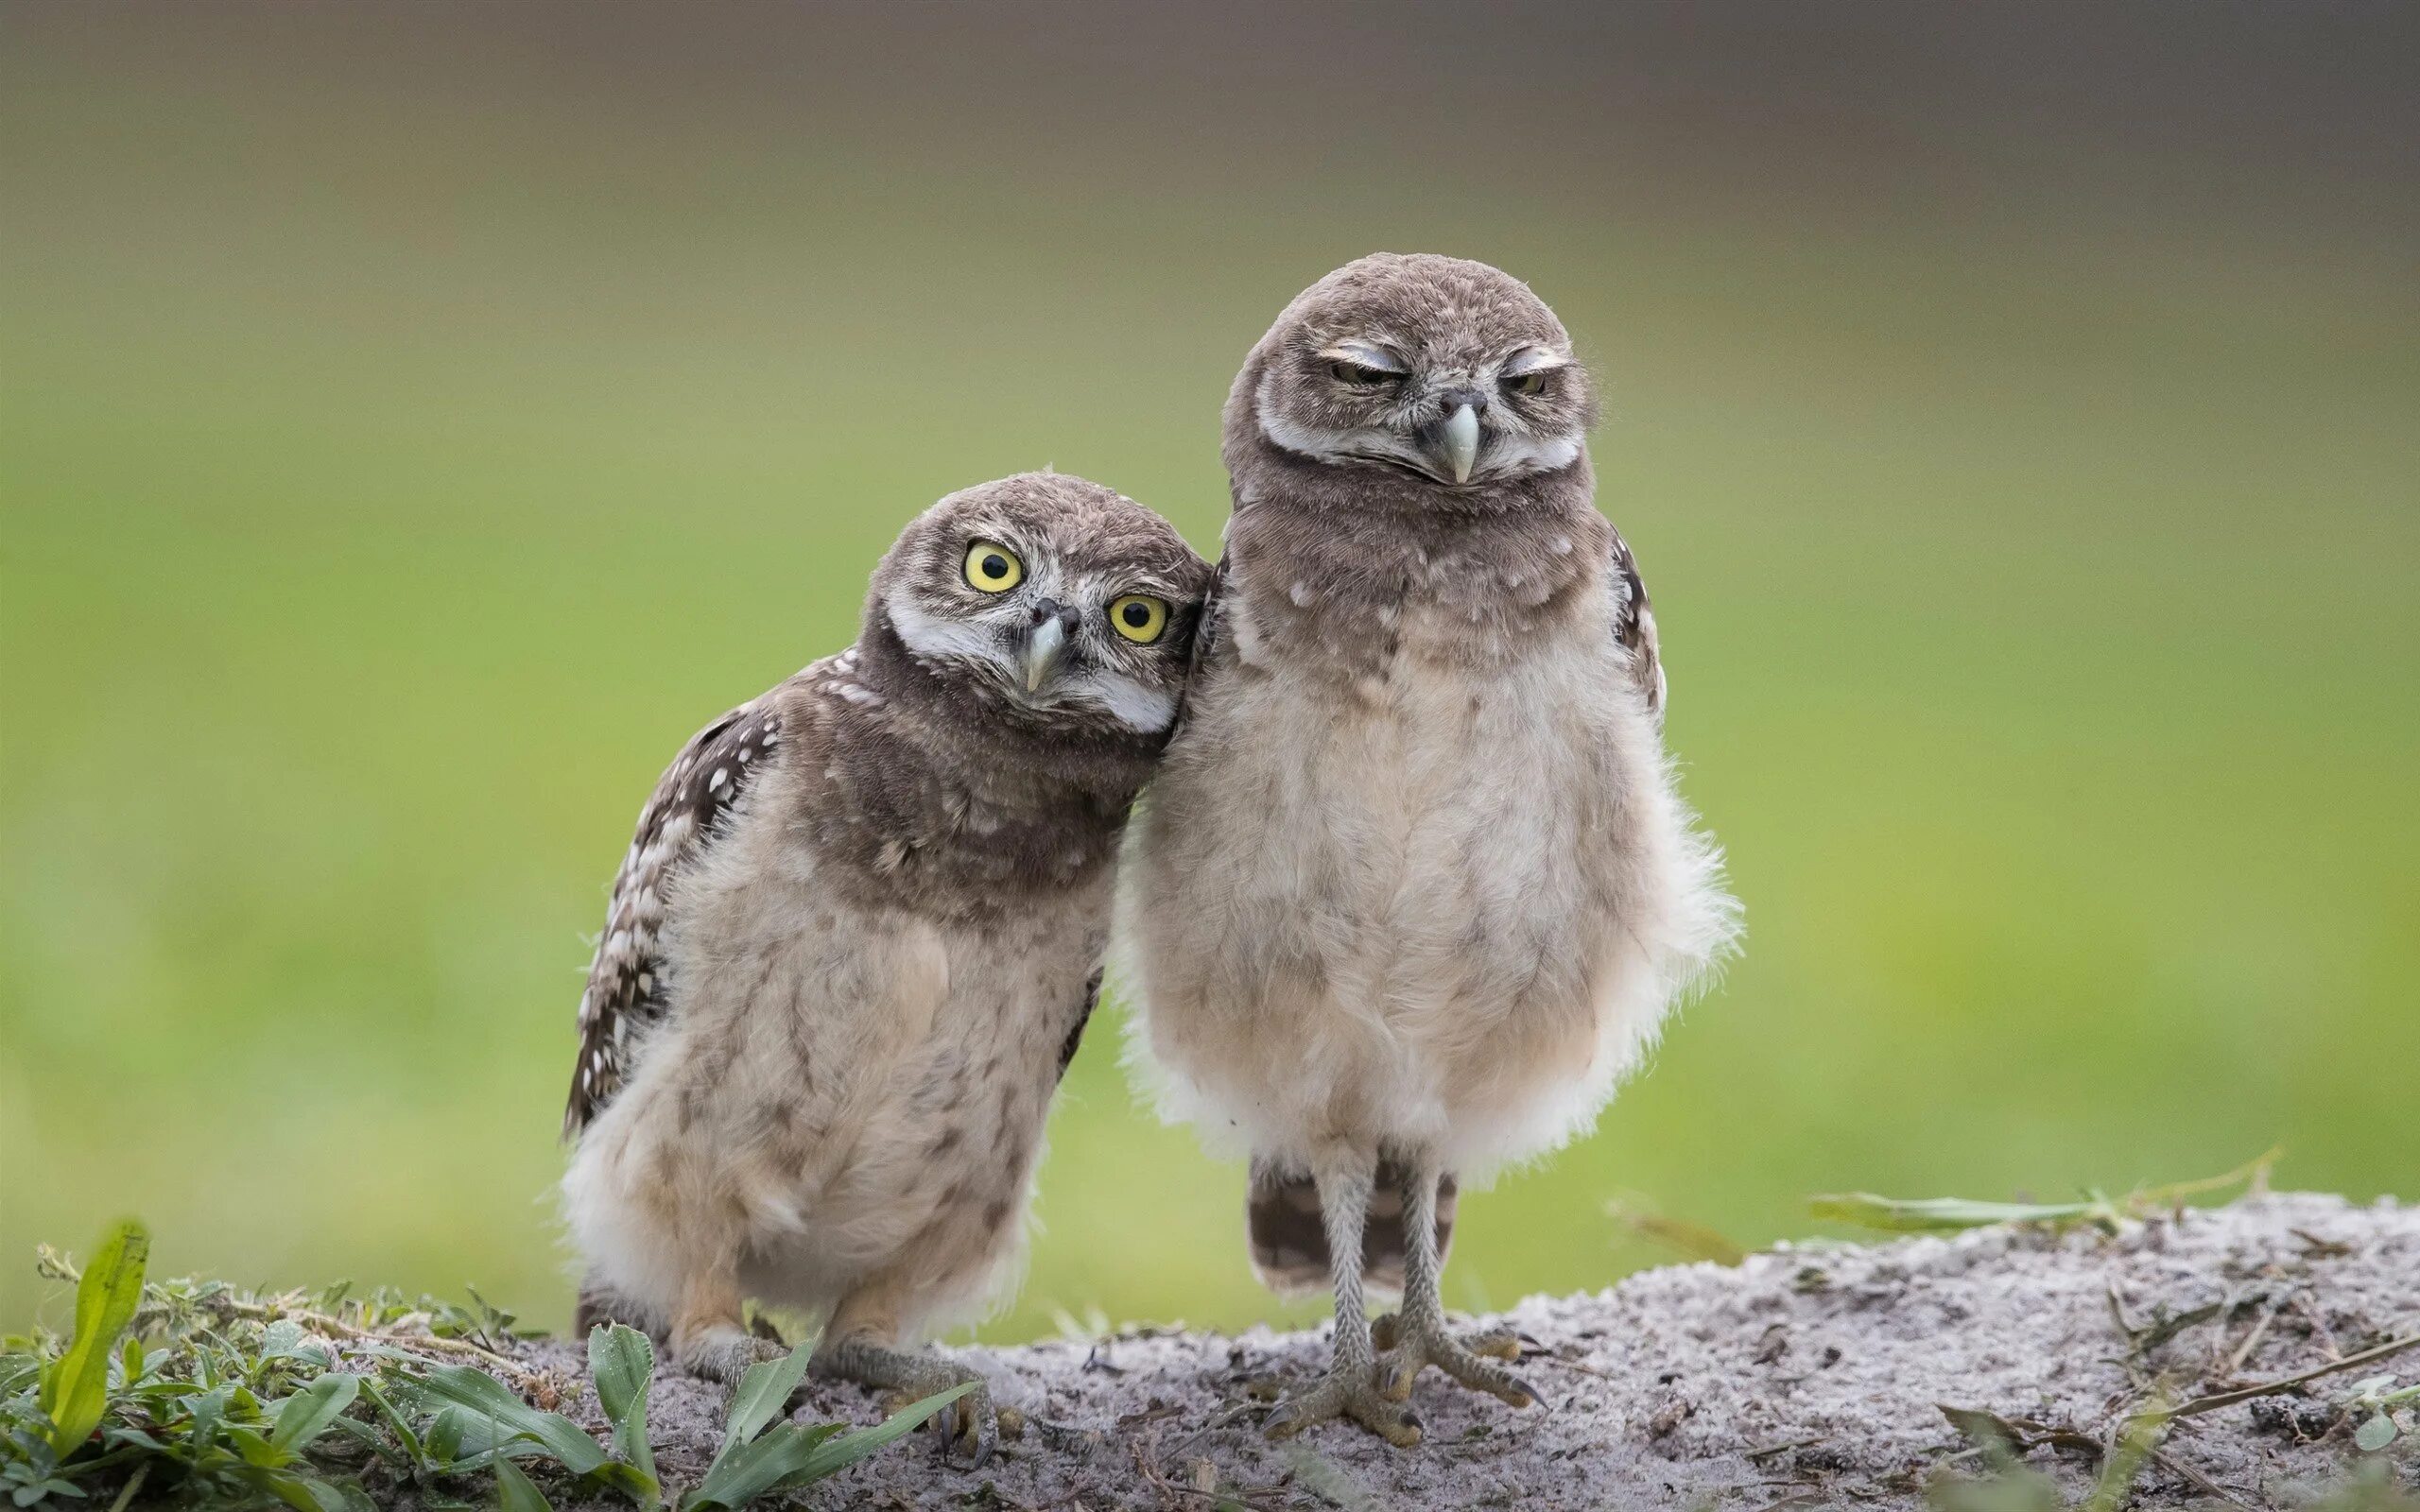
<point x="1043" y="646"/>
<point x="1459" y="442"/>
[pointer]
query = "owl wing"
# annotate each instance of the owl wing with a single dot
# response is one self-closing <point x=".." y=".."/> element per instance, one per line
<point x="1635" y="626"/>
<point x="625" y="989"/>
<point x="1076" y="1034"/>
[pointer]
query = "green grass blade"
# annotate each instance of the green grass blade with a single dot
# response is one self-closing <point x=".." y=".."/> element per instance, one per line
<point x="1927" y="1215"/>
<point x="764" y="1391"/>
<point x="1932" y="1216"/>
<point x="516" y="1492"/>
<point x="306" y="1415"/>
<point x="850" y="1448"/>
<point x="478" y="1392"/>
<point x="1691" y="1240"/>
<point x="413" y="1449"/>
<point x="622" y="1364"/>
<point x="252" y="1449"/>
<point x="748" y="1470"/>
<point x="75" y="1388"/>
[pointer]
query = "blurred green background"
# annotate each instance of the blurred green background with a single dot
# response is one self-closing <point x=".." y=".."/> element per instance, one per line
<point x="414" y="422"/>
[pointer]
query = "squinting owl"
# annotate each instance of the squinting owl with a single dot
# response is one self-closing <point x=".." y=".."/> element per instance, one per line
<point x="854" y="944"/>
<point x="1413" y="888"/>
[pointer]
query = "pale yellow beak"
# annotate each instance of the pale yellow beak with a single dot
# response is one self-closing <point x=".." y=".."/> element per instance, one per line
<point x="1460" y="438"/>
<point x="1042" y="650"/>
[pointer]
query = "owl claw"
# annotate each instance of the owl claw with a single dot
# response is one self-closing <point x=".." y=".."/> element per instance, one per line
<point x="1386" y="1330"/>
<point x="724" y="1354"/>
<point x="970" y="1431"/>
<point x="968" y="1428"/>
<point x="1345" y="1392"/>
<point x="1419" y="1343"/>
<point x="1505" y="1346"/>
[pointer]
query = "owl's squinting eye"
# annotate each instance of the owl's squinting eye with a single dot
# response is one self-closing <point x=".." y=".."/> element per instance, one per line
<point x="1527" y="383"/>
<point x="1361" y="375"/>
<point x="992" y="568"/>
<point x="1139" y="617"/>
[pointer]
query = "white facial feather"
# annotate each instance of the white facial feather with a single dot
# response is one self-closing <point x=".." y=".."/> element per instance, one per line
<point x="1502" y="453"/>
<point x="1137" y="705"/>
<point x="1323" y="445"/>
<point x="1520" y="456"/>
<point x="928" y="635"/>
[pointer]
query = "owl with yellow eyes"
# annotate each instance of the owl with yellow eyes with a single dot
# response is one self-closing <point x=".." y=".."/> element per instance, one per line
<point x="854" y="942"/>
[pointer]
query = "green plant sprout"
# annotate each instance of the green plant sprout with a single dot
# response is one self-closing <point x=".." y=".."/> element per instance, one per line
<point x="1931" y="1215"/>
<point x="225" y="1395"/>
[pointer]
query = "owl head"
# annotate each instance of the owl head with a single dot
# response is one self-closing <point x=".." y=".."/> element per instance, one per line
<point x="1055" y="605"/>
<point x="1432" y="369"/>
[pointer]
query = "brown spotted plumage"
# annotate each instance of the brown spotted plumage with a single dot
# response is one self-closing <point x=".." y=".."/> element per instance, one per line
<point x="854" y="944"/>
<point x="1413" y="888"/>
<point x="623" y="998"/>
<point x="1635" y="625"/>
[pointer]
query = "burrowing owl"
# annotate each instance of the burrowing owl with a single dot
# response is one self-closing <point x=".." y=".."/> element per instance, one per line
<point x="1412" y="889"/>
<point x="858" y="935"/>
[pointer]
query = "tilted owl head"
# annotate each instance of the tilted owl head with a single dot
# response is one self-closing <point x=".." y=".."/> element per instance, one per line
<point x="1049" y="601"/>
<point x="1438" y="368"/>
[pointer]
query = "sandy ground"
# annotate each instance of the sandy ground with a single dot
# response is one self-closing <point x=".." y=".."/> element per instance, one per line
<point x="1808" y="1376"/>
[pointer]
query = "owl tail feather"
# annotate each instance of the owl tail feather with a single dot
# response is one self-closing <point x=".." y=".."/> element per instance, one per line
<point x="1289" y="1243"/>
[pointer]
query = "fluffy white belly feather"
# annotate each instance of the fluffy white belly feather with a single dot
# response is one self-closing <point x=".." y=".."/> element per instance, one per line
<point x="1442" y="913"/>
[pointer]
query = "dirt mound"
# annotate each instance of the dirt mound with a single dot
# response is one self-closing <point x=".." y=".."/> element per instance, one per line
<point x="1812" y="1375"/>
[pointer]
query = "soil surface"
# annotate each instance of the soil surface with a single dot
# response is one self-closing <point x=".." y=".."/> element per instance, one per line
<point x="1812" y="1375"/>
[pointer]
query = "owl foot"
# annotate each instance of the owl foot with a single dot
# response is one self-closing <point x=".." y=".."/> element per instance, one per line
<point x="1418" y="1342"/>
<point x="1387" y="1327"/>
<point x="968" y="1428"/>
<point x="724" y="1354"/>
<point x="1345" y="1392"/>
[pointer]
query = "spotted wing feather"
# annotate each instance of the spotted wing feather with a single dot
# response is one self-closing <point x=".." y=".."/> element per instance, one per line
<point x="625" y="986"/>
<point x="1635" y="626"/>
<point x="1076" y="1034"/>
<point x="1209" y="625"/>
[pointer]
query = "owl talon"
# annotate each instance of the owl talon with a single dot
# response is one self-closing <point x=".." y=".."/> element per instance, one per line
<point x="968" y="1428"/>
<point x="724" y="1354"/>
<point x="1385" y="1329"/>
<point x="1505" y="1346"/>
<point x="1422" y="1344"/>
<point x="1345" y="1394"/>
<point x="970" y="1431"/>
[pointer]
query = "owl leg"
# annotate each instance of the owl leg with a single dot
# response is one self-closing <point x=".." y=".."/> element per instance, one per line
<point x="1348" y="1389"/>
<point x="710" y="1333"/>
<point x="601" y="1305"/>
<point x="1421" y="1336"/>
<point x="860" y="1344"/>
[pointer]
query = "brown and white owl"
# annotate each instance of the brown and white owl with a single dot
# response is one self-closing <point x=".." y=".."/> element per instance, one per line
<point x="1413" y="886"/>
<point x="855" y="939"/>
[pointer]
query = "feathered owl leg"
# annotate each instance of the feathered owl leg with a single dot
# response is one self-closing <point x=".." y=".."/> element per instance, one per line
<point x="860" y="1344"/>
<point x="1348" y="1389"/>
<point x="601" y="1305"/>
<point x="710" y="1332"/>
<point x="1421" y="1336"/>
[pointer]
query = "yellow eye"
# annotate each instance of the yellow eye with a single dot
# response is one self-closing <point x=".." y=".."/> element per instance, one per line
<point x="992" y="568"/>
<point x="1139" y="617"/>
<point x="1528" y="383"/>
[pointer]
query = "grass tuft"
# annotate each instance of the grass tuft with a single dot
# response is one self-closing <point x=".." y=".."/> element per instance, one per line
<point x="325" y="1402"/>
<point x="1933" y="1215"/>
